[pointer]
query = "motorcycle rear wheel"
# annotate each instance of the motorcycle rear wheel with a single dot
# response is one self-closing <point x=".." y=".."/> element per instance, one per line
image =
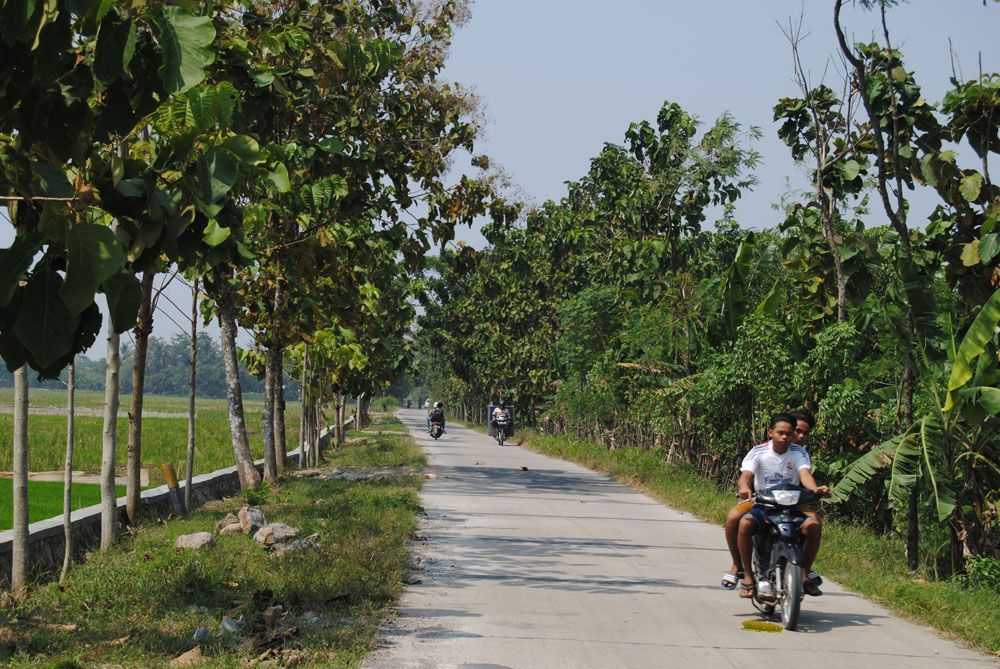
<point x="791" y="594"/>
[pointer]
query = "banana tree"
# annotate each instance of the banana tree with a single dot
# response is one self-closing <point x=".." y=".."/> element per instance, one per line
<point x="950" y="451"/>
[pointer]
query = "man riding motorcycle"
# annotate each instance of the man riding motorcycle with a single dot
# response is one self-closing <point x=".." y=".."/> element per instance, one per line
<point x="499" y="411"/>
<point x="768" y="468"/>
<point x="804" y="423"/>
<point x="435" y="414"/>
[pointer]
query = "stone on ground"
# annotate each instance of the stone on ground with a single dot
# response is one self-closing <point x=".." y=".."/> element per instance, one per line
<point x="275" y="533"/>
<point x="226" y="521"/>
<point x="198" y="540"/>
<point x="251" y="519"/>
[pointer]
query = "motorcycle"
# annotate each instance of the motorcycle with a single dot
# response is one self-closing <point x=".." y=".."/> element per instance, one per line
<point x="437" y="429"/>
<point x="777" y="552"/>
<point x="500" y="433"/>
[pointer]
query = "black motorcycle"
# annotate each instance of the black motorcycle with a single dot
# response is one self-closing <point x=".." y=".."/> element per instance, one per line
<point x="500" y="425"/>
<point x="437" y="429"/>
<point x="778" y="558"/>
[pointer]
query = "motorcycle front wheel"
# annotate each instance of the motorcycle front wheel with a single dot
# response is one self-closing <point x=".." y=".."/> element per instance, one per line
<point x="791" y="595"/>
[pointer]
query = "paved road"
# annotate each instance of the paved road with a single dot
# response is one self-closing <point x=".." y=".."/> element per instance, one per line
<point x="557" y="566"/>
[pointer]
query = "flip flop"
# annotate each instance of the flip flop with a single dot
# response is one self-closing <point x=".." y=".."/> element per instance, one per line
<point x="811" y="589"/>
<point x="729" y="581"/>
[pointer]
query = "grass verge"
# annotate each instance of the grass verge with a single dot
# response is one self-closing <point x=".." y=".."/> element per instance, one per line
<point x="140" y="603"/>
<point x="871" y="565"/>
<point x="45" y="499"/>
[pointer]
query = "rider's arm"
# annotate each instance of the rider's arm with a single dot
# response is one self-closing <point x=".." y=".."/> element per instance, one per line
<point x="745" y="484"/>
<point x="806" y="477"/>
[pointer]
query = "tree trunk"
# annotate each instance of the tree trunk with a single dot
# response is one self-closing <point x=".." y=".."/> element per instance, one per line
<point x="109" y="443"/>
<point x="338" y="421"/>
<point x="317" y="429"/>
<point x="234" y="392"/>
<point x="304" y="403"/>
<point x="68" y="470"/>
<point x="359" y="416"/>
<point x="142" y="331"/>
<point x="19" y="561"/>
<point x="280" y="446"/>
<point x="267" y="418"/>
<point x="192" y="388"/>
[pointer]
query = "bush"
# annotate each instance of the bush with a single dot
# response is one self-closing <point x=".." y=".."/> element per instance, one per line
<point x="980" y="572"/>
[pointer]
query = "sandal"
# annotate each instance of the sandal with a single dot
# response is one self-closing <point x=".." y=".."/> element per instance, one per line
<point x="729" y="581"/>
<point x="748" y="590"/>
<point x="811" y="589"/>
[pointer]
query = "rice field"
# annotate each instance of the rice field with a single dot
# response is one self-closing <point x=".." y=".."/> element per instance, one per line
<point x="164" y="439"/>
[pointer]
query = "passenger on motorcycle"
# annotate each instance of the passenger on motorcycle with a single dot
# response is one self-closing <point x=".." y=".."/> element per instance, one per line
<point x="804" y="423"/>
<point x="436" y="413"/>
<point x="766" y="468"/>
<point x="499" y="411"/>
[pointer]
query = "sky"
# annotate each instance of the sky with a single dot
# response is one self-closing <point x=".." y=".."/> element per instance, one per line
<point x="559" y="79"/>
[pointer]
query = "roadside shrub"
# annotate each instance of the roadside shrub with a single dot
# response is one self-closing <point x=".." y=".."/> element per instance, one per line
<point x="980" y="572"/>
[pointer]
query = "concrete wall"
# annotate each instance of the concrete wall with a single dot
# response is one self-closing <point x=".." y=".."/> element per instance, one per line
<point x="46" y="538"/>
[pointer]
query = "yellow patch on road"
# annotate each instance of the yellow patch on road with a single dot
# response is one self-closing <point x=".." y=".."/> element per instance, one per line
<point x="759" y="626"/>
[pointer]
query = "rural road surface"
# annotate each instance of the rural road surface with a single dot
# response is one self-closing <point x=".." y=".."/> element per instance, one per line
<point x="557" y="566"/>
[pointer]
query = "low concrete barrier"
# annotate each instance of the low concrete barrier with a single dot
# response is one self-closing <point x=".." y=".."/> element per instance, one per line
<point x="46" y="538"/>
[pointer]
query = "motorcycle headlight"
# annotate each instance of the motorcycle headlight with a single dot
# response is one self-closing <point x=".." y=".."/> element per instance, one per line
<point x="786" y="497"/>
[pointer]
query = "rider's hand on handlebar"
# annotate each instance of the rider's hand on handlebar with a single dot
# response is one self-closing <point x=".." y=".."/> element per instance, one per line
<point x="744" y="495"/>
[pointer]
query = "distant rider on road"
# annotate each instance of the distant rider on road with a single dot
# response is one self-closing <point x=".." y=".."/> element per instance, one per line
<point x="436" y="413"/>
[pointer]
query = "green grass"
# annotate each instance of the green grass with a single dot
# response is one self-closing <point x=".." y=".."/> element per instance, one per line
<point x="869" y="564"/>
<point x="45" y="499"/>
<point x="163" y="439"/>
<point x="131" y="604"/>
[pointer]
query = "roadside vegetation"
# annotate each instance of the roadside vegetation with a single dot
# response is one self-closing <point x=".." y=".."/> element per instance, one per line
<point x="864" y="561"/>
<point x="138" y="604"/>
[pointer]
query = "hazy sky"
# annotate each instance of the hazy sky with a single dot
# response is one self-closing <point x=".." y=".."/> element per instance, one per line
<point x="558" y="79"/>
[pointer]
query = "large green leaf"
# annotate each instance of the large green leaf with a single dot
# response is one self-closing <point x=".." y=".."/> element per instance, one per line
<point x="45" y="326"/>
<point x="93" y="254"/>
<point x="115" y="47"/>
<point x="245" y="148"/>
<point x="988" y="397"/>
<point x="897" y="452"/>
<point x="185" y="40"/>
<point x="53" y="181"/>
<point x="217" y="172"/>
<point x="278" y="178"/>
<point x="972" y="345"/>
<point x="14" y="262"/>
<point x="773" y="300"/>
<point x="931" y="437"/>
<point x="970" y="186"/>
<point x="989" y="246"/>
<point x="124" y="294"/>
<point x="215" y="234"/>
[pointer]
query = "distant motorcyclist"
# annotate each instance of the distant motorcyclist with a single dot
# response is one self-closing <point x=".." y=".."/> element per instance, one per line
<point x="500" y="411"/>
<point x="435" y="414"/>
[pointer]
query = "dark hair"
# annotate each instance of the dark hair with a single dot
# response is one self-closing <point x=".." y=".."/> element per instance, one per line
<point x="805" y="416"/>
<point x="781" y="418"/>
